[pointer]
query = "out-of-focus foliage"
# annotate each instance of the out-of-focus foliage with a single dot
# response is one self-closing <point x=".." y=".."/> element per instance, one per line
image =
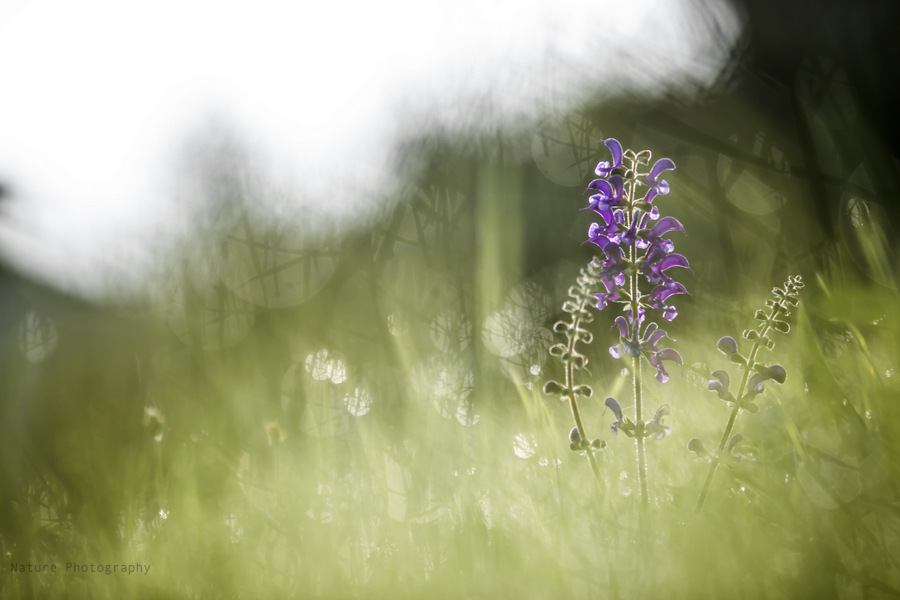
<point x="361" y="415"/>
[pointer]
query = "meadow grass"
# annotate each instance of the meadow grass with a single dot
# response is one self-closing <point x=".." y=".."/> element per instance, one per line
<point x="387" y="436"/>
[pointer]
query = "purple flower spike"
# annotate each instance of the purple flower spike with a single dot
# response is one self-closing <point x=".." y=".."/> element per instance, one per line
<point x="604" y="167"/>
<point x="719" y="383"/>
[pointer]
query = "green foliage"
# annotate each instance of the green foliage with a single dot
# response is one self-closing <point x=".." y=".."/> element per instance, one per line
<point x="387" y="437"/>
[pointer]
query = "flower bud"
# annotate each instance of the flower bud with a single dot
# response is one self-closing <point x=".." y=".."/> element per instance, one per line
<point x="755" y="385"/>
<point x="614" y="407"/>
<point x="561" y="327"/>
<point x="655" y="427"/>
<point x="727" y="346"/>
<point x="719" y="383"/>
<point x="775" y="373"/>
<point x="575" y="437"/>
<point x="553" y="387"/>
<point x="583" y="390"/>
<point x="696" y="446"/>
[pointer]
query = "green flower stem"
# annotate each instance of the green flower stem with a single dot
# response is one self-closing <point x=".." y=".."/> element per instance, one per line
<point x="639" y="438"/>
<point x="714" y="465"/>
<point x="636" y="361"/>
<point x="573" y="401"/>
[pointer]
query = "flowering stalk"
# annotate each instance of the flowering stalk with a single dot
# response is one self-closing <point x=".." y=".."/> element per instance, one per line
<point x="753" y="376"/>
<point x="634" y="248"/>
<point x="580" y="298"/>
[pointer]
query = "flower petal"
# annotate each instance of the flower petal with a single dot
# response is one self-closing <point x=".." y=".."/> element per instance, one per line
<point x="672" y="260"/>
<point x="574" y="436"/>
<point x="669" y="354"/>
<point x="661" y="292"/>
<point x="623" y="326"/>
<point x="615" y="148"/>
<point x="727" y="346"/>
<point x="664" y="226"/>
<point x="663" y="164"/>
<point x="722" y="377"/>
<point x="602" y="186"/>
<point x="661" y="375"/>
<point x="654" y="338"/>
<point x="611" y="403"/>
<point x="755" y="385"/>
<point x="775" y="373"/>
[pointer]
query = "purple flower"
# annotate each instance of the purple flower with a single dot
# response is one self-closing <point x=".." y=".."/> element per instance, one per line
<point x="775" y="373"/>
<point x="656" y="359"/>
<point x="601" y="235"/>
<point x="574" y="436"/>
<point x="642" y="314"/>
<point x="630" y="236"/>
<point x="611" y="403"/>
<point x="614" y="264"/>
<point x="719" y="383"/>
<point x="697" y="446"/>
<point x="658" y="186"/>
<point x="755" y="385"/>
<point x="610" y="193"/>
<point x="727" y="346"/>
<point x="630" y="345"/>
<point x="664" y="226"/>
<point x="661" y="293"/>
<point x="604" y="167"/>
<point x="611" y="295"/>
<point x="655" y="427"/>
<point x="653" y="271"/>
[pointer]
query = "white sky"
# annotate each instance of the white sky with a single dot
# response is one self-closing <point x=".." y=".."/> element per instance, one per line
<point x="98" y="97"/>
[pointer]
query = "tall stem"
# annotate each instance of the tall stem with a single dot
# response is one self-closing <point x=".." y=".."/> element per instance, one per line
<point x="642" y="462"/>
<point x="636" y="360"/>
<point x="714" y="465"/>
<point x="573" y="401"/>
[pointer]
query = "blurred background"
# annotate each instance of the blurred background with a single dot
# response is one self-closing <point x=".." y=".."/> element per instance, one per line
<point x="278" y="288"/>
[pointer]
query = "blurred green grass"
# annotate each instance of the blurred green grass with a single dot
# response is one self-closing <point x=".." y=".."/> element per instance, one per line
<point x="383" y="434"/>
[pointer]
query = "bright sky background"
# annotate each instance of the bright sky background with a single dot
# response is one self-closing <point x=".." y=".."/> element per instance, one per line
<point x="99" y="98"/>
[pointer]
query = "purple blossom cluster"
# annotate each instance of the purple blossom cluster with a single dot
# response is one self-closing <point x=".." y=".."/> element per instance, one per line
<point x="635" y="248"/>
